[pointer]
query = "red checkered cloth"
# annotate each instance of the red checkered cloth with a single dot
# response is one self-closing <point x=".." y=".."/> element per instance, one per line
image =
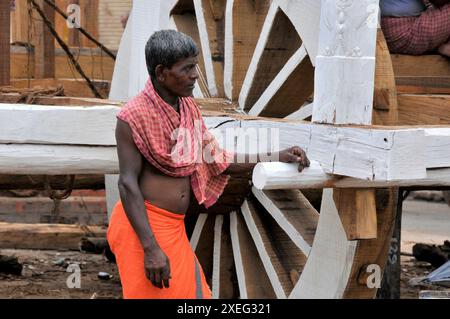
<point x="417" y="35"/>
<point x="178" y="144"/>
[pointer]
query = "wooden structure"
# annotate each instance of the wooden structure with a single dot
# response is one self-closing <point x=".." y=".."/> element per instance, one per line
<point x="278" y="64"/>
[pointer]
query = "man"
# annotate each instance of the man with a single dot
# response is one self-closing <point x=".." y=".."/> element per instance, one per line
<point x="160" y="134"/>
<point x="412" y="28"/>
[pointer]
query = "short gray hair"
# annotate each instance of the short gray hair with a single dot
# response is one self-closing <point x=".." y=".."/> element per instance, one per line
<point x="167" y="47"/>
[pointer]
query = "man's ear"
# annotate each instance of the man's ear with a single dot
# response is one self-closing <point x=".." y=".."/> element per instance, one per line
<point x="159" y="72"/>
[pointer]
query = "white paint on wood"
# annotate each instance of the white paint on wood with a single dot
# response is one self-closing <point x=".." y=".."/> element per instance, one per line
<point x="278" y="82"/>
<point x="228" y="50"/>
<point x="345" y="65"/>
<point x="303" y="113"/>
<point x="259" y="50"/>
<point x="283" y="219"/>
<point x="112" y="192"/>
<point x="238" y="256"/>
<point x="195" y="237"/>
<point x="216" y="256"/>
<point x="27" y="159"/>
<point x="326" y="273"/>
<point x="438" y="147"/>
<point x="268" y="266"/>
<point x="204" y="40"/>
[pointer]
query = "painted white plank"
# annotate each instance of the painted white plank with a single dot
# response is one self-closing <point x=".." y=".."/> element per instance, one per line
<point x="271" y="272"/>
<point x="216" y="256"/>
<point x="437" y="147"/>
<point x="303" y="113"/>
<point x="237" y="254"/>
<point x="201" y="220"/>
<point x="326" y="273"/>
<point x="278" y="81"/>
<point x="290" y="216"/>
<point x="57" y="159"/>
<point x="24" y="123"/>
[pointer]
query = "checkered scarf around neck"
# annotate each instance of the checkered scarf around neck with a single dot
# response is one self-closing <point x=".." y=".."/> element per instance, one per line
<point x="178" y="144"/>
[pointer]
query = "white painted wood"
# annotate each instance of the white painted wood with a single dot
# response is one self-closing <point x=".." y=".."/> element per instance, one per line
<point x="326" y="273"/>
<point x="259" y="50"/>
<point x="303" y="113"/>
<point x="305" y="16"/>
<point x="276" y="175"/>
<point x="283" y="219"/>
<point x="57" y="159"/>
<point x="273" y="277"/>
<point x="278" y="82"/>
<point x="438" y="147"/>
<point x="204" y="40"/>
<point x="237" y="254"/>
<point x="24" y="123"/>
<point x="216" y="256"/>
<point x="345" y="65"/>
<point x="228" y="50"/>
<point x="195" y="237"/>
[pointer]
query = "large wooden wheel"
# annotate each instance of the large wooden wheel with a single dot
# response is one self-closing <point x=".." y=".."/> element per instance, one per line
<point x="260" y="55"/>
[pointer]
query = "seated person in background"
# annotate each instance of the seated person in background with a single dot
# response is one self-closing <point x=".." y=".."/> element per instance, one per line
<point x="416" y="26"/>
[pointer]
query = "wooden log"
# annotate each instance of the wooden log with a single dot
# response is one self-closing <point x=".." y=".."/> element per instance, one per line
<point x="5" y="28"/>
<point x="56" y="182"/>
<point x="45" y="236"/>
<point x="252" y="278"/>
<point x="44" y="43"/>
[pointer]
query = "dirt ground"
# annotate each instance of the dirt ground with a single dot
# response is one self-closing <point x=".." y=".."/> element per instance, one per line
<point x="44" y="273"/>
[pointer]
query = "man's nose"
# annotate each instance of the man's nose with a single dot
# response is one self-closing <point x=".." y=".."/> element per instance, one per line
<point x="194" y="74"/>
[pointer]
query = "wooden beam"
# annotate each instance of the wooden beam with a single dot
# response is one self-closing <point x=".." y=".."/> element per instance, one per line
<point x="198" y="230"/>
<point x="205" y="249"/>
<point x="44" y="43"/>
<point x="5" y="29"/>
<point x="57" y="182"/>
<point x="293" y="213"/>
<point x="303" y="113"/>
<point x="46" y="236"/>
<point x="252" y="278"/>
<point x="417" y="109"/>
<point x="275" y="175"/>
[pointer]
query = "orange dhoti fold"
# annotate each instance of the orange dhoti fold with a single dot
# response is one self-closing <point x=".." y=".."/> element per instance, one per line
<point x="188" y="280"/>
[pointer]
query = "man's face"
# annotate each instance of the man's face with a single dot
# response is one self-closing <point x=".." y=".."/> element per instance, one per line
<point x="180" y="79"/>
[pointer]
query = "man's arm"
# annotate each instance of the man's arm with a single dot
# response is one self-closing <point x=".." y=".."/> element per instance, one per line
<point x="291" y="155"/>
<point x="156" y="263"/>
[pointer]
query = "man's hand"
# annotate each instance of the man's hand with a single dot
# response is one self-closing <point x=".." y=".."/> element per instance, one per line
<point x="295" y="155"/>
<point x="157" y="267"/>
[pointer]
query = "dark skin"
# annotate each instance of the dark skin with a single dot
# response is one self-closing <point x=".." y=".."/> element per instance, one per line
<point x="140" y="181"/>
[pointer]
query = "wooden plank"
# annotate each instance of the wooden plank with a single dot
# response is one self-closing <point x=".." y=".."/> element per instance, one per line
<point x="46" y="236"/>
<point x="89" y="22"/>
<point x="252" y="278"/>
<point x="385" y="95"/>
<point x="327" y="271"/>
<point x="278" y="253"/>
<point x="217" y="256"/>
<point x="44" y="43"/>
<point x="356" y="208"/>
<point x="274" y="175"/>
<point x="279" y="40"/>
<point x="5" y="29"/>
<point x="293" y="213"/>
<point x="198" y="230"/>
<point x="417" y="66"/>
<point x="423" y="85"/>
<point x="212" y="36"/>
<point x="19" y="22"/>
<point x="424" y="109"/>
<point x="303" y="113"/>
<point x="289" y="89"/>
<point x="57" y="182"/>
<point x="244" y="21"/>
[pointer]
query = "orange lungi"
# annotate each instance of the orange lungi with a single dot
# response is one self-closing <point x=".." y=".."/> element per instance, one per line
<point x="188" y="280"/>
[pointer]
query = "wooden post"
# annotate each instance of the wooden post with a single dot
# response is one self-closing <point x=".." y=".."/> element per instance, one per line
<point x="44" y="44"/>
<point x="5" y="55"/>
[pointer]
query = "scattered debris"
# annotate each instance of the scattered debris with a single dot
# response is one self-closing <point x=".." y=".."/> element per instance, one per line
<point x="440" y="277"/>
<point x="432" y="196"/>
<point x="104" y="275"/>
<point x="96" y="245"/>
<point x="10" y="265"/>
<point x="435" y="255"/>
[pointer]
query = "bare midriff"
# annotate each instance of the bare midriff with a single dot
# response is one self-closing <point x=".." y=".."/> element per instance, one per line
<point x="166" y="192"/>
